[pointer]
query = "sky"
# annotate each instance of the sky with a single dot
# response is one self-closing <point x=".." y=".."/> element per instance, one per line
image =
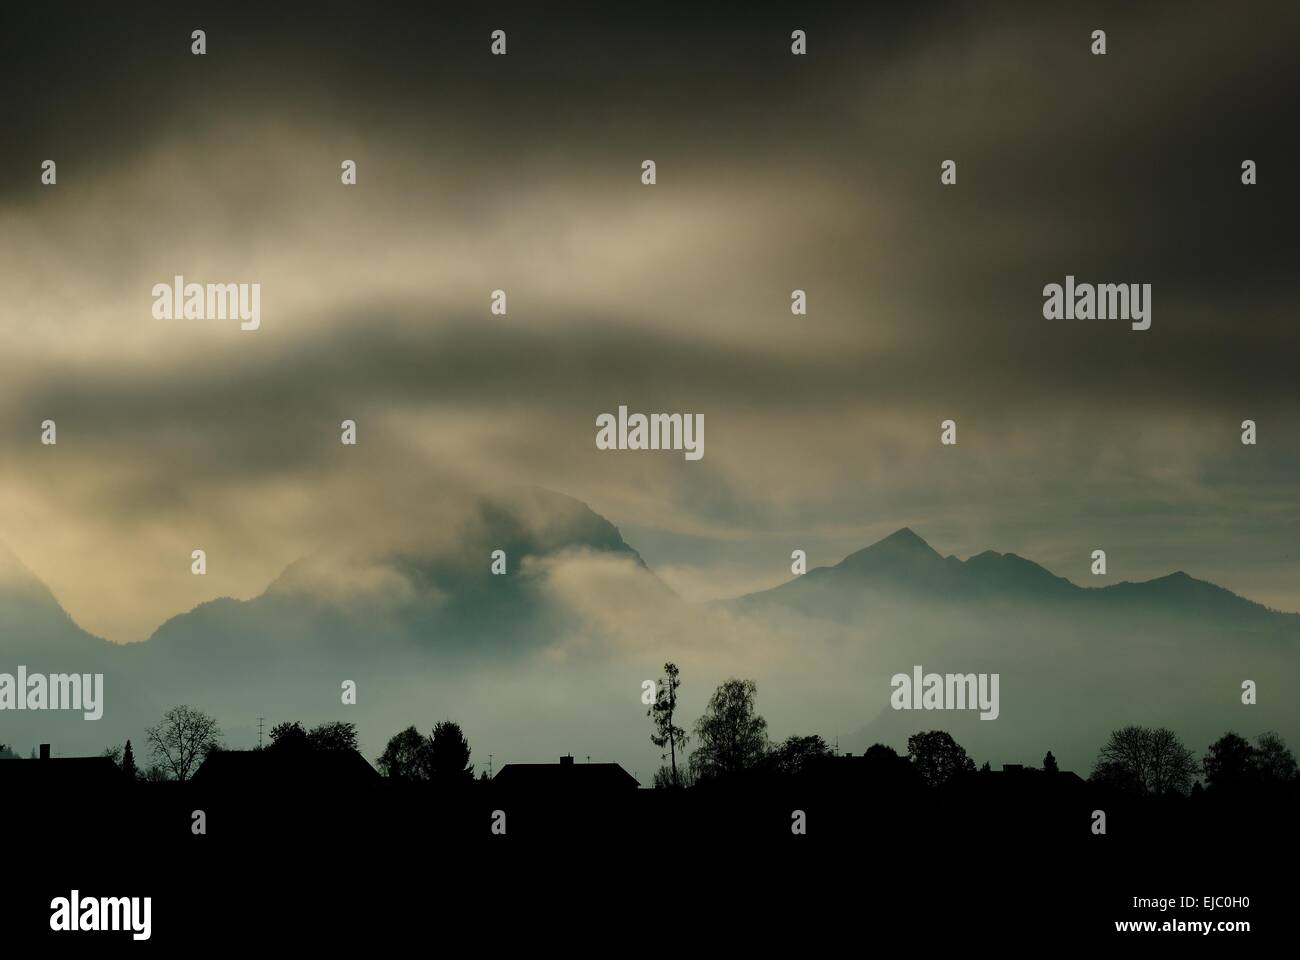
<point x="523" y="173"/>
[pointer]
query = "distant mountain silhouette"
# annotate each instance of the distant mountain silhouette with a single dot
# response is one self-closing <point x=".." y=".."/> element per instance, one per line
<point x="383" y="619"/>
<point x="443" y="599"/>
<point x="415" y="627"/>
<point x="903" y="565"/>
<point x="452" y="591"/>
<point x="32" y="621"/>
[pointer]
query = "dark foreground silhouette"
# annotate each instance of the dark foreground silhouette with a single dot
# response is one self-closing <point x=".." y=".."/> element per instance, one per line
<point x="330" y="851"/>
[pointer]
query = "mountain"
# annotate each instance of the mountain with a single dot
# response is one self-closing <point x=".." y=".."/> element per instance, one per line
<point x="1074" y="662"/>
<point x="903" y="567"/>
<point x="408" y="624"/>
<point x="555" y="650"/>
<point x="32" y="623"/>
<point x="37" y="633"/>
<point x="435" y="596"/>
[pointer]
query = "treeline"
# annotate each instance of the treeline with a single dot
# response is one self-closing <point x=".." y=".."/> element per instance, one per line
<point x="1144" y="762"/>
<point x="729" y="743"/>
<point x="185" y="737"/>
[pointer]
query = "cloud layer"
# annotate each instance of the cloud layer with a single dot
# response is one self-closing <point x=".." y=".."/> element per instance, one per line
<point x="522" y="173"/>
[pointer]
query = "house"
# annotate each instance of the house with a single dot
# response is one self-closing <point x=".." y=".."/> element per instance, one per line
<point x="238" y="768"/>
<point x="565" y="777"/>
<point x="1019" y="773"/>
<point x="50" y="772"/>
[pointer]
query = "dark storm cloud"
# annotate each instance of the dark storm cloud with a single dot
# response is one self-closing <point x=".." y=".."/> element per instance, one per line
<point x="775" y="172"/>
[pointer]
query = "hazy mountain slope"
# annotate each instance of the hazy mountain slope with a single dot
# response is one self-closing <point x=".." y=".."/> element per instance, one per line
<point x="903" y="567"/>
<point x="437" y="596"/>
<point x="408" y="625"/>
<point x="32" y="623"/>
<point x="551" y="656"/>
<point x="1074" y="663"/>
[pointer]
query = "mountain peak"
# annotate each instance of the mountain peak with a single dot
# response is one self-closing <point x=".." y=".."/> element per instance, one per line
<point x="900" y="552"/>
<point x="904" y="538"/>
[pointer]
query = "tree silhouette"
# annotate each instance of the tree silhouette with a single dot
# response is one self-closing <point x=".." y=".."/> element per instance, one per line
<point x="796" y="754"/>
<point x="1274" y="763"/>
<point x="183" y="738"/>
<point x="1172" y="766"/>
<point x="664" y="776"/>
<point x="7" y="752"/>
<point x="404" y="756"/>
<point x="447" y="755"/>
<point x="288" y="737"/>
<point x="884" y="767"/>
<point x="731" y="736"/>
<point x="128" y="764"/>
<point x="661" y="711"/>
<point x="1230" y="762"/>
<point x="1049" y="763"/>
<point x="937" y="757"/>
<point x="1145" y="761"/>
<point x="333" y="735"/>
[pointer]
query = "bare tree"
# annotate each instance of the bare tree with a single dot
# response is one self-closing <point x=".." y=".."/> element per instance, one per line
<point x="183" y="738"/>
<point x="1172" y="766"/>
<point x="1145" y="761"/>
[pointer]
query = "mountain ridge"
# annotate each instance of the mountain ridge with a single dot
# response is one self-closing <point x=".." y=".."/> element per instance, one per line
<point x="902" y="561"/>
<point x="926" y="571"/>
<point x="557" y="635"/>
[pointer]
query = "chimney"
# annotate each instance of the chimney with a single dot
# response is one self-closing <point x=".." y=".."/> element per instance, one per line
<point x="45" y="751"/>
<point x="566" y="761"/>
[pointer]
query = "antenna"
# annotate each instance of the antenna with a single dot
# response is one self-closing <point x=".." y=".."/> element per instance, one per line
<point x="259" y="732"/>
<point x="490" y="766"/>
